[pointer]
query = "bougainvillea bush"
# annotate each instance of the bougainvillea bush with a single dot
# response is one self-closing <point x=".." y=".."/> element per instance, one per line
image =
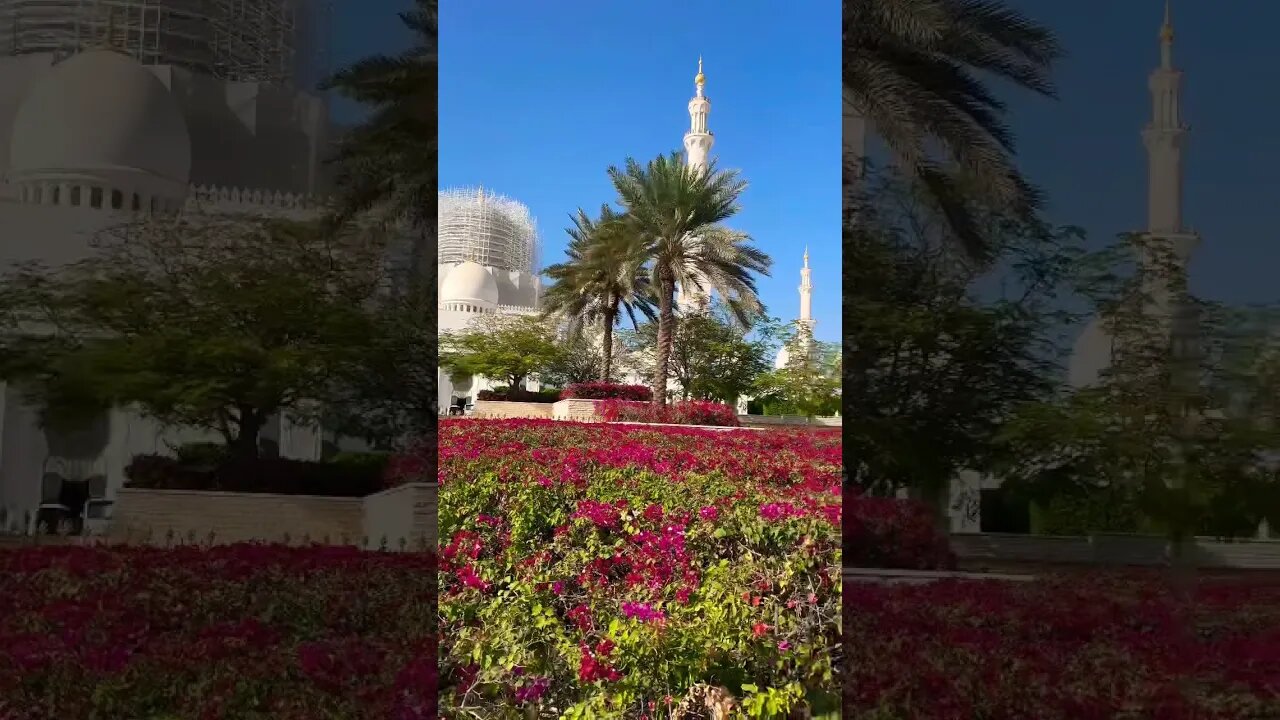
<point x="1085" y="646"/>
<point x="601" y="570"/>
<point x="892" y="533"/>
<point x="227" y="633"/>
<point x="689" y="412"/>
<point x="607" y="391"/>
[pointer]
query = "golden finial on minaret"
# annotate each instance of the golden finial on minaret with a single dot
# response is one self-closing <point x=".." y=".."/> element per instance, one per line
<point x="1166" y="30"/>
<point x="806" y="256"/>
<point x="700" y="79"/>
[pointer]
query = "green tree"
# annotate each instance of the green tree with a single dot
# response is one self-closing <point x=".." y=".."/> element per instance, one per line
<point x="511" y="348"/>
<point x="712" y="356"/>
<point x="937" y="353"/>
<point x="603" y="278"/>
<point x="677" y="211"/>
<point x="1174" y="433"/>
<point x="808" y="384"/>
<point x="386" y="394"/>
<point x="387" y="164"/>
<point x="580" y="362"/>
<point x="214" y="323"/>
<point x="915" y="70"/>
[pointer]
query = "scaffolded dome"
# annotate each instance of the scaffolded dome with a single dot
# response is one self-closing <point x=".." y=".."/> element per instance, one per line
<point x="485" y="228"/>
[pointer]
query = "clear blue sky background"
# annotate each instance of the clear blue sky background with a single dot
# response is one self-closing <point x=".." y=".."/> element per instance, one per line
<point x="537" y="100"/>
<point x="1085" y="151"/>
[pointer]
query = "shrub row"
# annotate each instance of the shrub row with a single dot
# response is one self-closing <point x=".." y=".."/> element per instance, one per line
<point x="607" y="391"/>
<point x="350" y="475"/>
<point x="506" y="395"/>
<point x="693" y="412"/>
<point x="892" y="533"/>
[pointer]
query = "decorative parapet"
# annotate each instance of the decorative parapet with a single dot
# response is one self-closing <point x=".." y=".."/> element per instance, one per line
<point x="221" y="199"/>
<point x="517" y="310"/>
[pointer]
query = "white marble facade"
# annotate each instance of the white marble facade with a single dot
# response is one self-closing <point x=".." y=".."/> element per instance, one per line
<point x="96" y="138"/>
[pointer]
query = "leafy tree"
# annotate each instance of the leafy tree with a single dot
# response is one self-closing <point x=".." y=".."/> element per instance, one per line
<point x="581" y="361"/>
<point x="511" y="348"/>
<point x="603" y="278"/>
<point x="1175" y="430"/>
<point x="386" y="394"/>
<point x="915" y="70"/>
<point x="936" y="354"/>
<point x="214" y="323"/>
<point x="808" y="384"/>
<point x="712" y="356"/>
<point x="677" y="211"/>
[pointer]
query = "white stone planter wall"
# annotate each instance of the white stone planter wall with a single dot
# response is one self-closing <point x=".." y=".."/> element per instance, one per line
<point x="496" y="409"/>
<point x="577" y="410"/>
<point x="403" y="517"/>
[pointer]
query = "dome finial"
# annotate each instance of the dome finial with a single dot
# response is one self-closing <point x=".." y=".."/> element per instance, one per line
<point x="700" y="79"/>
<point x="1166" y="29"/>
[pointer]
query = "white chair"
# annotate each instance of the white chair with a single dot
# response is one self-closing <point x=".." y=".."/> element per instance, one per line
<point x="97" y="508"/>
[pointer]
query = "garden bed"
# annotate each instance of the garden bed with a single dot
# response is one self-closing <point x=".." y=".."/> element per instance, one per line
<point x="622" y="564"/>
<point x="230" y="632"/>
<point x="1079" y="645"/>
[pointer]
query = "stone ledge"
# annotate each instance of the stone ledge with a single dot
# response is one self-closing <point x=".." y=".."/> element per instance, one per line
<point x="916" y="577"/>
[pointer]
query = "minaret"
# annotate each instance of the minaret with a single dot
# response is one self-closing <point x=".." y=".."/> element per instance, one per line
<point x="806" y="293"/>
<point x="1165" y="137"/>
<point x="697" y="144"/>
<point x="698" y="141"/>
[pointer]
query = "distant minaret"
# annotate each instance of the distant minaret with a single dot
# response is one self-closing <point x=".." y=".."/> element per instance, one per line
<point x="806" y="294"/>
<point x="1165" y="137"/>
<point x="698" y="141"/>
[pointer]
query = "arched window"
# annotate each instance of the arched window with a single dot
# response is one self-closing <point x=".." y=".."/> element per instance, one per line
<point x="137" y="202"/>
<point x="75" y="196"/>
<point x="57" y="194"/>
<point x="38" y="196"/>
<point x="117" y="199"/>
<point x="95" y="197"/>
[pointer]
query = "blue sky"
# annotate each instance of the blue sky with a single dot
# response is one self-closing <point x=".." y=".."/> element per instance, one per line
<point x="537" y="100"/>
<point x="1085" y="151"/>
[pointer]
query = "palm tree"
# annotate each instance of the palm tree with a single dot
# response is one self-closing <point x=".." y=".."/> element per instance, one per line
<point x="676" y="210"/>
<point x="387" y="165"/>
<point x="603" y="278"/>
<point x="912" y="69"/>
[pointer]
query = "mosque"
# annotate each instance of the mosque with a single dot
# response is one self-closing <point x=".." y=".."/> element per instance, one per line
<point x="1164" y="138"/>
<point x="112" y="112"/>
<point x="488" y="253"/>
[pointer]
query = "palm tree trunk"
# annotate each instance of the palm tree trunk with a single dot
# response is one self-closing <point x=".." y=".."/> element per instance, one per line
<point x="666" y="324"/>
<point x="607" y="340"/>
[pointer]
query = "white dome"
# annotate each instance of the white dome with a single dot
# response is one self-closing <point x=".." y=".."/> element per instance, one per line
<point x="469" y="282"/>
<point x="100" y="110"/>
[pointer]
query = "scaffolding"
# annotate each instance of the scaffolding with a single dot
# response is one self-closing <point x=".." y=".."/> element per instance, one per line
<point x="281" y="41"/>
<point x="486" y="228"/>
